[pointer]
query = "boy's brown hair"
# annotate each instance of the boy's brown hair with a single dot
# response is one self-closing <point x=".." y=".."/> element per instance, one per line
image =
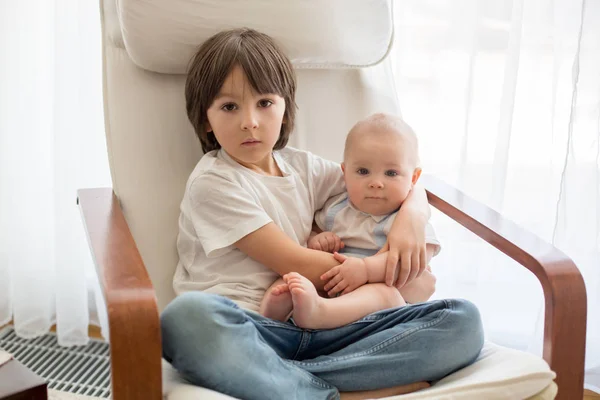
<point x="267" y="68"/>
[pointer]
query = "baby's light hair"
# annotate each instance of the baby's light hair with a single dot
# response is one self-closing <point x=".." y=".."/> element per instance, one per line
<point x="381" y="123"/>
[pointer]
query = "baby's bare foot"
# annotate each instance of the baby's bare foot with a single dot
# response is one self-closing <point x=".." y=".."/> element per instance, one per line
<point x="277" y="303"/>
<point x="307" y="303"/>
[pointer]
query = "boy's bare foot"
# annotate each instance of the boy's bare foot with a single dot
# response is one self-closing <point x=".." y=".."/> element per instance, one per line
<point x="379" y="393"/>
<point x="307" y="303"/>
<point x="277" y="303"/>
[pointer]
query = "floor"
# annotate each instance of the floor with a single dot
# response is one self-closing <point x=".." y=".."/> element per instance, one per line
<point x="589" y="395"/>
<point x="93" y="332"/>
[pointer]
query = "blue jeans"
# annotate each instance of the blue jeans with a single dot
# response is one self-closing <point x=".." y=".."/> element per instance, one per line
<point x="215" y="344"/>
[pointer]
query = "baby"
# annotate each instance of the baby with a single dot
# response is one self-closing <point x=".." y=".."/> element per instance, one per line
<point x="381" y="166"/>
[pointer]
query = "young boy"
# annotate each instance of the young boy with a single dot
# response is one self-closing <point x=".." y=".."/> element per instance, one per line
<point x="380" y="167"/>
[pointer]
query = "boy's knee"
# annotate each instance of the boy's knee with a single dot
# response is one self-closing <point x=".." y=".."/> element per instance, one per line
<point x="186" y="305"/>
<point x="467" y="324"/>
<point x="468" y="313"/>
<point x="197" y="325"/>
<point x="193" y="313"/>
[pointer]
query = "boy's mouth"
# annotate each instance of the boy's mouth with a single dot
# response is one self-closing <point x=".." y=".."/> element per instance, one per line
<point x="249" y="142"/>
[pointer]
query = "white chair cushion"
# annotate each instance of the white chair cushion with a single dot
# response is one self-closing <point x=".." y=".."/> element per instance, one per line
<point x="498" y="373"/>
<point x="162" y="36"/>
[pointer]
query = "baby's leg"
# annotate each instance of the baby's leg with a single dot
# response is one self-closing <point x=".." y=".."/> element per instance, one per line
<point x="314" y="312"/>
<point x="277" y="302"/>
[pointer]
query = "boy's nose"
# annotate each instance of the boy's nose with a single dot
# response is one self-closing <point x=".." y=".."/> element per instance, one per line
<point x="376" y="185"/>
<point x="249" y="121"/>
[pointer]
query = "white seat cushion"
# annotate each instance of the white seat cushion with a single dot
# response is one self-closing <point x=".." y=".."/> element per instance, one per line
<point x="498" y="373"/>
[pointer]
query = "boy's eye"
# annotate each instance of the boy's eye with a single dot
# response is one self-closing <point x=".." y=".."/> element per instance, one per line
<point x="362" y="171"/>
<point x="228" y="107"/>
<point x="391" y="172"/>
<point x="265" y="103"/>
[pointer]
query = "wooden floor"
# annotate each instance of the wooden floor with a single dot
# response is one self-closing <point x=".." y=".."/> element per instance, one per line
<point x="589" y="395"/>
<point x="94" y="332"/>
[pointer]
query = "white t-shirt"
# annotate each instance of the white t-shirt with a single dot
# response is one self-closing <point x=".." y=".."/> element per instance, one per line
<point x="224" y="201"/>
<point x="363" y="234"/>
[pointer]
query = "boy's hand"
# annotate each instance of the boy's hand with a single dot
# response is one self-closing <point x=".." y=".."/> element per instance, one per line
<point x="407" y="258"/>
<point x="325" y="241"/>
<point x="345" y="278"/>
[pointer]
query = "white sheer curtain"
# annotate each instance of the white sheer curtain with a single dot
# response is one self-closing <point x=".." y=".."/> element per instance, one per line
<point x="51" y="144"/>
<point x="505" y="97"/>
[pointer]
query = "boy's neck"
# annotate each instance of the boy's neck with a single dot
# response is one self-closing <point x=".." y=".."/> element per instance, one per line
<point x="268" y="166"/>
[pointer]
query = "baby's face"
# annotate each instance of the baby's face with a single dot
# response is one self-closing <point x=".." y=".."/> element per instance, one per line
<point x="379" y="172"/>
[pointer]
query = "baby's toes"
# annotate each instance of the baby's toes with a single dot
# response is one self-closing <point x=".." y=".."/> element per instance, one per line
<point x="277" y="290"/>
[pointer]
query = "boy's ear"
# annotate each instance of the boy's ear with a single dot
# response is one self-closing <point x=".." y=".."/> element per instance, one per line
<point x="416" y="175"/>
<point x="207" y="127"/>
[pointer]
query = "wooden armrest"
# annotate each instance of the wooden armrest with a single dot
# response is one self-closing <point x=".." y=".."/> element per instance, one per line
<point x="562" y="283"/>
<point x="134" y="325"/>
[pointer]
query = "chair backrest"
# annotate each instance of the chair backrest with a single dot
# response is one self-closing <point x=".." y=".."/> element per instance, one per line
<point x="339" y="48"/>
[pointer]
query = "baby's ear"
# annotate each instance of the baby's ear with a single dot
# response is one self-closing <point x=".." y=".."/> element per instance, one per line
<point x="343" y="168"/>
<point x="416" y="175"/>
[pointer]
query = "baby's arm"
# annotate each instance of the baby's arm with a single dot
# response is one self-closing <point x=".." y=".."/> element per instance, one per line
<point x="355" y="272"/>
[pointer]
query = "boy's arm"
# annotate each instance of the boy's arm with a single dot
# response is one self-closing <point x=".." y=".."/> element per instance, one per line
<point x="376" y="265"/>
<point x="405" y="241"/>
<point x="273" y="248"/>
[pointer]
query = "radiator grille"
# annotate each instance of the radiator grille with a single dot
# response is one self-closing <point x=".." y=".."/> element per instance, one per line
<point x="81" y="370"/>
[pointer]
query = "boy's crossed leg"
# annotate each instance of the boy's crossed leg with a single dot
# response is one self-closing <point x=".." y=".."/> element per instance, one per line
<point x="296" y="296"/>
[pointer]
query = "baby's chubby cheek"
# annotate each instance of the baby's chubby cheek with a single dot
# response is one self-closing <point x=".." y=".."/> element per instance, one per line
<point x="356" y="195"/>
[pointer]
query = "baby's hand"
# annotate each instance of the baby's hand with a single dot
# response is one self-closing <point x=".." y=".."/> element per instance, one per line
<point x="345" y="278"/>
<point x="325" y="241"/>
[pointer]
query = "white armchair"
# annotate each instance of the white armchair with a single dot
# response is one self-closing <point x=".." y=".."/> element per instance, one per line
<point x="338" y="47"/>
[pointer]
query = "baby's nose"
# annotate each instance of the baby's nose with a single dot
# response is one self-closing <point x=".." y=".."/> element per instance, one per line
<point x="376" y="185"/>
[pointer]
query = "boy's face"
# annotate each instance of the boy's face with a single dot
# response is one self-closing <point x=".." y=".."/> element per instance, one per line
<point x="246" y="124"/>
<point x="379" y="172"/>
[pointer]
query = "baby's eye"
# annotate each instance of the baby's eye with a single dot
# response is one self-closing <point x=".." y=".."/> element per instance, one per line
<point x="265" y="103"/>
<point x="362" y="171"/>
<point x="391" y="173"/>
<point x="228" y="107"/>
